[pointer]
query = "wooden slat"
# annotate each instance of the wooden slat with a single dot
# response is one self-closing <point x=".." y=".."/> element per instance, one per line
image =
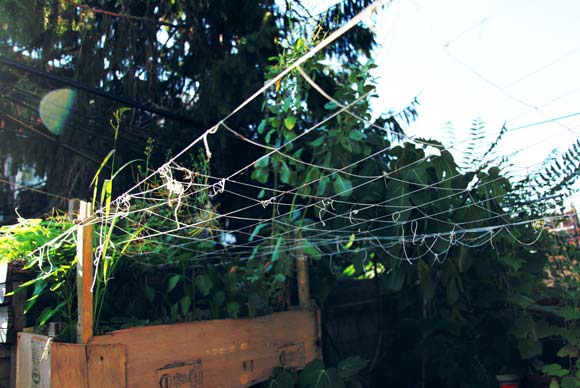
<point x="13" y="350"/>
<point x="85" y="275"/>
<point x="33" y="361"/>
<point x="5" y="366"/>
<point x="106" y="366"/>
<point x="18" y="317"/>
<point x="220" y="353"/>
<point x="68" y="365"/>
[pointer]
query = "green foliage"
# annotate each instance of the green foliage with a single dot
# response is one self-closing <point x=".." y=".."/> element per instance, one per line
<point x="54" y="268"/>
<point x="312" y="138"/>
<point x="556" y="320"/>
<point x="18" y="240"/>
<point x="559" y="174"/>
<point x="457" y="311"/>
<point x="316" y="375"/>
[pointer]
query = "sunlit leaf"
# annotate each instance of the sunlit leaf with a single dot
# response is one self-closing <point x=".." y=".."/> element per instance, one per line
<point x="290" y="122"/>
<point x="342" y="186"/>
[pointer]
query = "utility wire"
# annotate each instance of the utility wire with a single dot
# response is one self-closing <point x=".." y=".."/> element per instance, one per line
<point x="28" y="188"/>
<point x="97" y="92"/>
<point x="51" y="138"/>
<point x="123" y="15"/>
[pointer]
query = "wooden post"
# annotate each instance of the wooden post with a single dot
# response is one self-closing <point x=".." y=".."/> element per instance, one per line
<point x="74" y="205"/>
<point x="303" y="281"/>
<point x="85" y="274"/>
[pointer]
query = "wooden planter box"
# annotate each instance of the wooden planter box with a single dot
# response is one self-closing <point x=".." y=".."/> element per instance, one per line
<point x="210" y="354"/>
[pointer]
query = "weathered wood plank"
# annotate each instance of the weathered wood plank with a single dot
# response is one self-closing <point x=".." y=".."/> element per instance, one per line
<point x="212" y="354"/>
<point x="33" y="361"/>
<point x="106" y="366"/>
<point x="68" y="365"/>
<point x="85" y="275"/>
<point x="18" y="317"/>
<point x="13" y="350"/>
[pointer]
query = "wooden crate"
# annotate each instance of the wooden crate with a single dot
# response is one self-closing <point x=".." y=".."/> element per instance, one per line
<point x="211" y="354"/>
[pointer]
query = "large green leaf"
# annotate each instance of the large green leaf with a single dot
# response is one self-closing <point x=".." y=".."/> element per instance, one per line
<point x="233" y="309"/>
<point x="315" y="375"/>
<point x="283" y="380"/>
<point x="445" y="167"/>
<point x="342" y="186"/>
<point x="570" y="382"/>
<point x="276" y="251"/>
<point x="555" y="370"/>
<point x="330" y="105"/>
<point x="572" y="335"/>
<point x="257" y="230"/>
<point x="570" y="313"/>
<point x="174" y="311"/>
<point x="261" y="174"/>
<point x="398" y="196"/>
<point x="172" y="282"/>
<point x="422" y="192"/>
<point x="321" y="189"/>
<point x="48" y="313"/>
<point x="290" y="122"/>
<point x="38" y="289"/>
<point x="310" y="249"/>
<point x="285" y="172"/>
<point x="261" y="127"/>
<point x="185" y="304"/>
<point x="529" y="348"/>
<point x="356" y="135"/>
<point x="204" y="284"/>
<point x="149" y="293"/>
<point x="351" y="366"/>
<point x="218" y="299"/>
<point x="395" y="280"/>
<point x="568" y="350"/>
<point x="318" y="142"/>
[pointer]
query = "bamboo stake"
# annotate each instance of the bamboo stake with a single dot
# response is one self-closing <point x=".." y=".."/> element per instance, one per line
<point x="85" y="274"/>
<point x="303" y="281"/>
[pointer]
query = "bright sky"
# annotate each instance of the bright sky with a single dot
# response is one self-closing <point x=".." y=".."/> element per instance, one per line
<point x="514" y="61"/>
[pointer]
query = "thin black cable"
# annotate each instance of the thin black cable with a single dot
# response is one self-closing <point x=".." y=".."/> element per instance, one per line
<point x="97" y="92"/>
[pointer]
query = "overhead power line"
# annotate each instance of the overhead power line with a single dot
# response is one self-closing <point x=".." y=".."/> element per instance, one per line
<point x="28" y="188"/>
<point x="124" y="15"/>
<point x="97" y="92"/>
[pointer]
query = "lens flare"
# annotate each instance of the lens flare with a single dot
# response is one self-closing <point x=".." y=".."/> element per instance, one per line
<point x="55" y="109"/>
